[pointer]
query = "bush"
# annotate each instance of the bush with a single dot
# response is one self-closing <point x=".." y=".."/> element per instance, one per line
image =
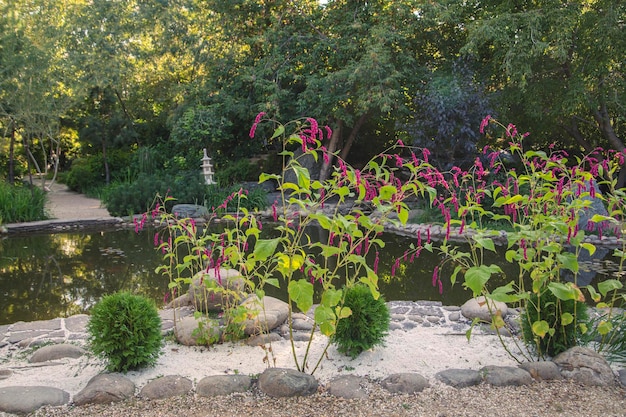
<point x="125" y="330"/>
<point x="256" y="198"/>
<point x="366" y="327"/>
<point x="20" y="203"/>
<point x="561" y="334"/>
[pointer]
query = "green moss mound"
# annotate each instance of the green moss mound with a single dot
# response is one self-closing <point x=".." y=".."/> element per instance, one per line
<point x="125" y="330"/>
<point x="366" y="327"/>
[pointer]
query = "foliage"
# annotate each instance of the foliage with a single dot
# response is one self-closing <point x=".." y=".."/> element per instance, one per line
<point x="551" y="323"/>
<point x="87" y="175"/>
<point x="366" y="327"/>
<point x="125" y="330"/>
<point x="234" y="172"/>
<point x="607" y="334"/>
<point x="221" y="198"/>
<point x="21" y="203"/>
<point x="127" y="198"/>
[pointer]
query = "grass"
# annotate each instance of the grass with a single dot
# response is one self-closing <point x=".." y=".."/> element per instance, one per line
<point x="21" y="203"/>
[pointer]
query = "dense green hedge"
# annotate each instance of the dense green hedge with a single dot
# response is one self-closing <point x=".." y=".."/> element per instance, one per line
<point x="21" y="203"/>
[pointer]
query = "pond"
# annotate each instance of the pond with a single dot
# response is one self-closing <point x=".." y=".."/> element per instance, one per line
<point x="46" y="276"/>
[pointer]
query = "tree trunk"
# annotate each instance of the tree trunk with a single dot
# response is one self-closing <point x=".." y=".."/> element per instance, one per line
<point x="12" y="154"/>
<point x="107" y="174"/>
<point x="353" y="133"/>
<point x="332" y="147"/>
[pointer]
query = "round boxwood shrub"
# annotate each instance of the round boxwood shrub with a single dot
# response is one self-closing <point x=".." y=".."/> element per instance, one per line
<point x="125" y="330"/>
<point x="548" y="308"/>
<point x="366" y="327"/>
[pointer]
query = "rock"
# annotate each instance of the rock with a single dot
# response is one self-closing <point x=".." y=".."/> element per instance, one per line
<point x="166" y="386"/>
<point x="23" y="400"/>
<point x="542" y="370"/>
<point x="406" y="383"/>
<point x="348" y="386"/>
<point x="216" y="385"/>
<point x="214" y="290"/>
<point x="459" y="378"/>
<point x="503" y="376"/>
<point x="193" y="211"/>
<point x="49" y="325"/>
<point x="622" y="376"/>
<point x="5" y="374"/>
<point x="478" y="308"/>
<point x="77" y="323"/>
<point x="180" y="301"/>
<point x="188" y="332"/>
<point x="104" y="389"/>
<point x="584" y="366"/>
<point x="281" y="382"/>
<point x="53" y="352"/>
<point x="268" y="314"/>
<point x="263" y="339"/>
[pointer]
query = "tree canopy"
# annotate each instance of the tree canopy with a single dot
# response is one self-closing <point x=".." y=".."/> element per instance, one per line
<point x="183" y="75"/>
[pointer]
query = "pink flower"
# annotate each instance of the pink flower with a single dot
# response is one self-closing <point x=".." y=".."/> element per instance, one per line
<point x="376" y="263"/>
<point x="329" y="132"/>
<point x="425" y="153"/>
<point x="258" y="117"/>
<point x="435" y="275"/>
<point x="484" y="123"/>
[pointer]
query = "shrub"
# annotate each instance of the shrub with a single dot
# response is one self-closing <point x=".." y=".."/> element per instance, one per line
<point x="19" y="203"/>
<point x="545" y="322"/>
<point x="366" y="327"/>
<point x="125" y="330"/>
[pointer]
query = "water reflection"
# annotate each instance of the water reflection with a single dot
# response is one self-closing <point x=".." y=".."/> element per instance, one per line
<point x="57" y="275"/>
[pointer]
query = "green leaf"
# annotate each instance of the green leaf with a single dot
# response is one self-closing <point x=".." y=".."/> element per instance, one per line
<point x="605" y="327"/>
<point x="386" y="192"/>
<point x="264" y="248"/>
<point x="477" y="276"/>
<point x="609" y="285"/>
<point x="403" y="215"/>
<point x="590" y="248"/>
<point x="331" y="297"/>
<point x="563" y="291"/>
<point x="454" y="274"/>
<point x="514" y="199"/>
<point x="569" y="261"/>
<point x="592" y="292"/>
<point x="566" y="319"/>
<point x="541" y="328"/>
<point x="485" y="242"/>
<point x="301" y="292"/>
<point x="279" y="131"/>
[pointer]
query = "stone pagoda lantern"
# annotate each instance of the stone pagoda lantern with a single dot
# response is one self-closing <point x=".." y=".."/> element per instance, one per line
<point x="207" y="169"/>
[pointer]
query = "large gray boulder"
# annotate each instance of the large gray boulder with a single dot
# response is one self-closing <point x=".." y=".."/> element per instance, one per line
<point x="405" y="383"/>
<point x="281" y="382"/>
<point x="58" y="351"/>
<point x="188" y="332"/>
<point x="166" y="386"/>
<point x="217" y="289"/>
<point x="105" y="389"/>
<point x="267" y="314"/>
<point x="23" y="400"/>
<point x="503" y="376"/>
<point x="459" y="378"/>
<point x="585" y="366"/>
<point x="218" y="385"/>
<point x="348" y="386"/>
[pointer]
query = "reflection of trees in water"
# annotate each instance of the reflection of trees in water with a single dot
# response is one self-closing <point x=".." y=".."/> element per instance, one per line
<point x="58" y="275"/>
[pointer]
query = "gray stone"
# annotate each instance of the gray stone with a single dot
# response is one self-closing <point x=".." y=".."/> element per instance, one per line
<point x="263" y="339"/>
<point x="584" y="366"/>
<point x="281" y="382"/>
<point x="301" y="336"/>
<point x="299" y="324"/>
<point x="416" y="318"/>
<point x="216" y="385"/>
<point x="104" y="389"/>
<point x="23" y="400"/>
<point x="622" y="376"/>
<point x="406" y="383"/>
<point x="394" y="326"/>
<point x="24" y="338"/>
<point x="5" y="374"/>
<point x="459" y="378"/>
<point x="49" y="325"/>
<point x="53" y="352"/>
<point x="503" y="376"/>
<point x="77" y="323"/>
<point x="454" y="316"/>
<point x="193" y="211"/>
<point x="268" y="313"/>
<point x="408" y="325"/>
<point x="542" y="370"/>
<point x="214" y="290"/>
<point x="478" y="308"/>
<point x="166" y="386"/>
<point x="348" y="386"/>
<point x="188" y="332"/>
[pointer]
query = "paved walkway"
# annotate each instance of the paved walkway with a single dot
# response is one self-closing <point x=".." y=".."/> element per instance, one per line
<point x="64" y="204"/>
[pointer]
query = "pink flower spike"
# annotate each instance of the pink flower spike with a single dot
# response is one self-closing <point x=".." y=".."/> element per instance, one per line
<point x="258" y="117"/>
<point x="425" y="153"/>
<point x="435" y="275"/>
<point x="329" y="132"/>
<point x="484" y="123"/>
<point x="376" y="263"/>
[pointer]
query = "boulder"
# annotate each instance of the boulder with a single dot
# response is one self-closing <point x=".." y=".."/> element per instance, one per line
<point x="216" y="289"/>
<point x="105" y="389"/>
<point x="348" y="386"/>
<point x="189" y="333"/>
<point x="585" y="366"/>
<point x="503" y="376"/>
<point x="542" y="370"/>
<point x="281" y="382"/>
<point x="267" y="314"/>
<point x="459" y="378"/>
<point x="478" y="308"/>
<point x="193" y="211"/>
<point x="23" y="400"/>
<point x="166" y="386"/>
<point x="216" y="385"/>
<point x="53" y="352"/>
<point x="405" y="383"/>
